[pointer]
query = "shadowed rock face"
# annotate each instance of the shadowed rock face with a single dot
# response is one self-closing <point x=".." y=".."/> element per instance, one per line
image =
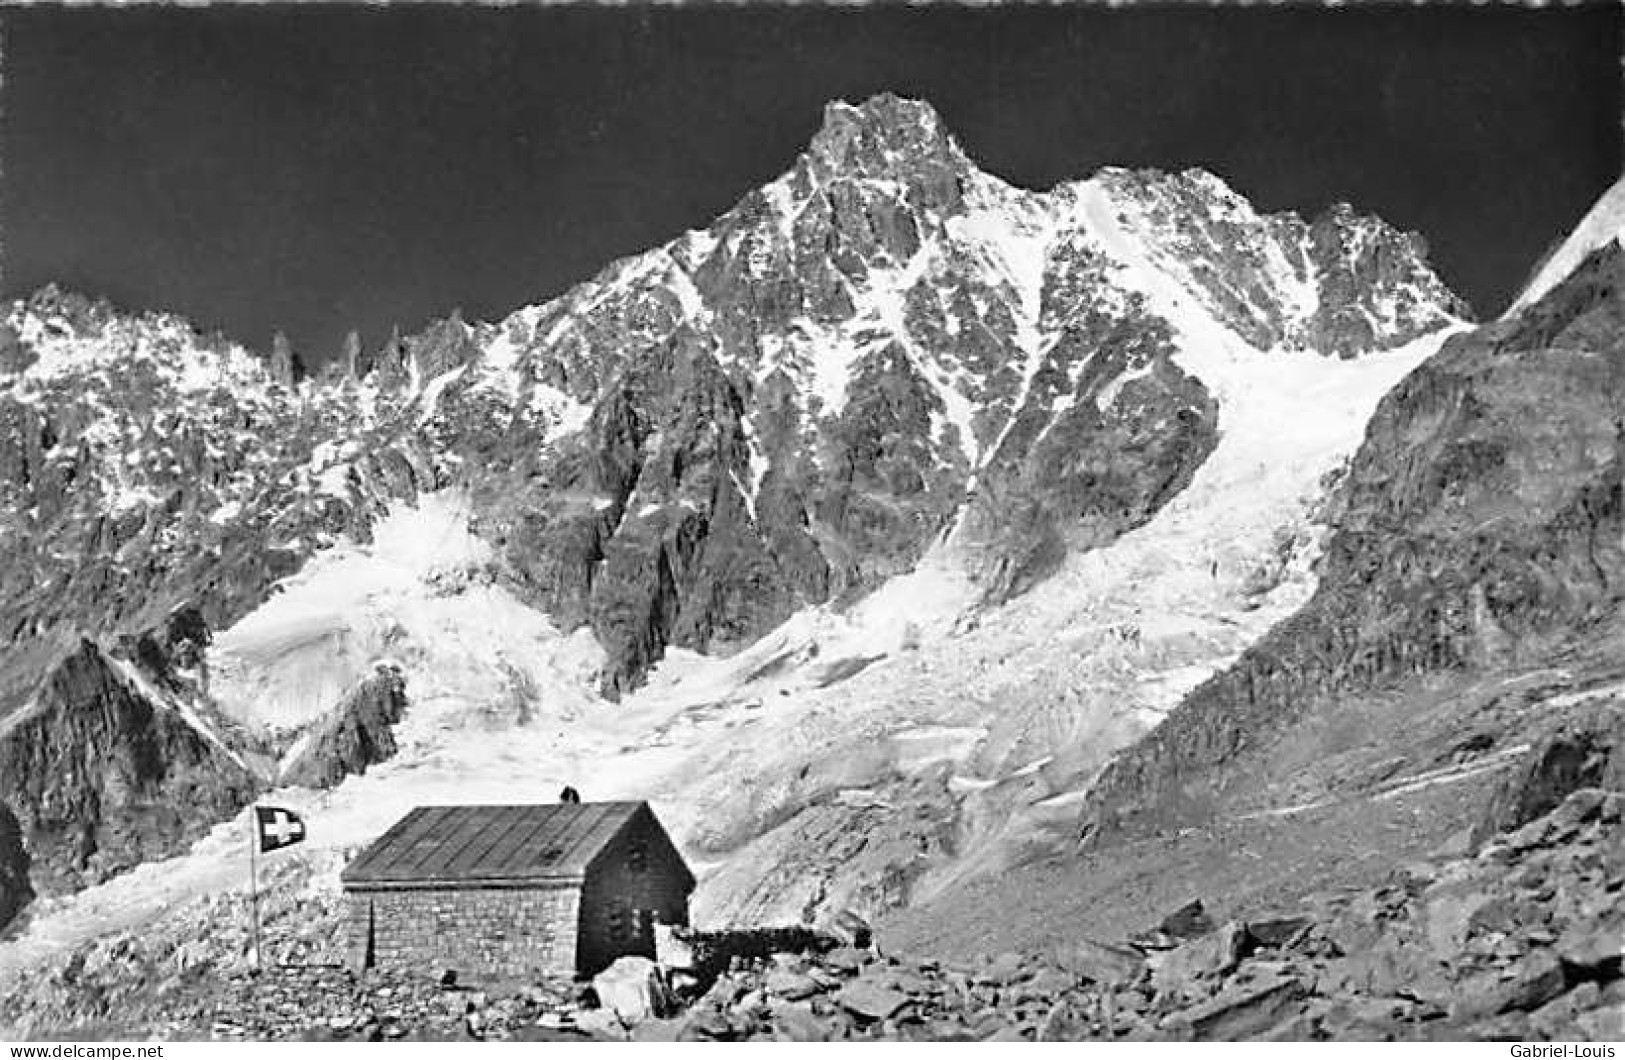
<point x="1101" y="467"/>
<point x="1481" y="525"/>
<point x="15" y="889"/>
<point x="167" y="654"/>
<point x="101" y="779"/>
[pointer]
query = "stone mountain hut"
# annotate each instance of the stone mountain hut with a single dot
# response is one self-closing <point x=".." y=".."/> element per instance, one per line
<point x="515" y="890"/>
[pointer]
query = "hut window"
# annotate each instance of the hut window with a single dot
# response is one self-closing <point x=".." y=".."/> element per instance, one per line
<point x="637" y="859"/>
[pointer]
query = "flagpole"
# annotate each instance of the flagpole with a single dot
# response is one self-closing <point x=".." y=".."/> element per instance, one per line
<point x="254" y="879"/>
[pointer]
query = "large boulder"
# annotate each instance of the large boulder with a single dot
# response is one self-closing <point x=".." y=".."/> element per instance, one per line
<point x="870" y="999"/>
<point x="634" y="989"/>
<point x="1586" y="749"/>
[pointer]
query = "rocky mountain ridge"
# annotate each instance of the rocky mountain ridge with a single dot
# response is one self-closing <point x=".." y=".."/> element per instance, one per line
<point x="835" y="365"/>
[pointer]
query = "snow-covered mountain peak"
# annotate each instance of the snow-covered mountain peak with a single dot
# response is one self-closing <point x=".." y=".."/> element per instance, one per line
<point x="882" y="397"/>
<point x="885" y="317"/>
<point x="883" y="235"/>
<point x="832" y="375"/>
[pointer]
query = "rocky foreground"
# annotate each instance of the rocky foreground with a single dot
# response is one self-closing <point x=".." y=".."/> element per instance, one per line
<point x="1520" y="940"/>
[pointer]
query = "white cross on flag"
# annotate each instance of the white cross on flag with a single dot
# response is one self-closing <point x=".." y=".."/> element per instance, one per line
<point x="278" y="828"/>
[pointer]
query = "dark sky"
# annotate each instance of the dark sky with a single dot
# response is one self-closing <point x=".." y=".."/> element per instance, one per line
<point x="318" y="170"/>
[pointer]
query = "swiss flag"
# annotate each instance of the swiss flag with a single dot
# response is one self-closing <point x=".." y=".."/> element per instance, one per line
<point x="278" y="828"/>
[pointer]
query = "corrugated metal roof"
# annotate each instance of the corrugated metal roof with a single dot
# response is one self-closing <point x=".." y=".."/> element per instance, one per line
<point x="491" y="844"/>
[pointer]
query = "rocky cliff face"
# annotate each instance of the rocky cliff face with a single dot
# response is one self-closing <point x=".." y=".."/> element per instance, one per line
<point x="15" y="888"/>
<point x="354" y="735"/>
<point x="1481" y="527"/>
<point x="101" y="775"/>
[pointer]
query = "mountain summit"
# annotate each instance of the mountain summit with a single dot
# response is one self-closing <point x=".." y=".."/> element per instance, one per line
<point x="885" y="136"/>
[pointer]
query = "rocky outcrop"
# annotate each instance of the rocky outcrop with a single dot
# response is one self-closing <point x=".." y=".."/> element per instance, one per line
<point x="443" y="346"/>
<point x="1103" y="466"/>
<point x="1375" y="287"/>
<point x="284" y="364"/>
<point x="684" y="565"/>
<point x="1585" y="749"/>
<point x="1481" y="525"/>
<point x="102" y="778"/>
<point x="173" y="654"/>
<point x="352" y="736"/>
